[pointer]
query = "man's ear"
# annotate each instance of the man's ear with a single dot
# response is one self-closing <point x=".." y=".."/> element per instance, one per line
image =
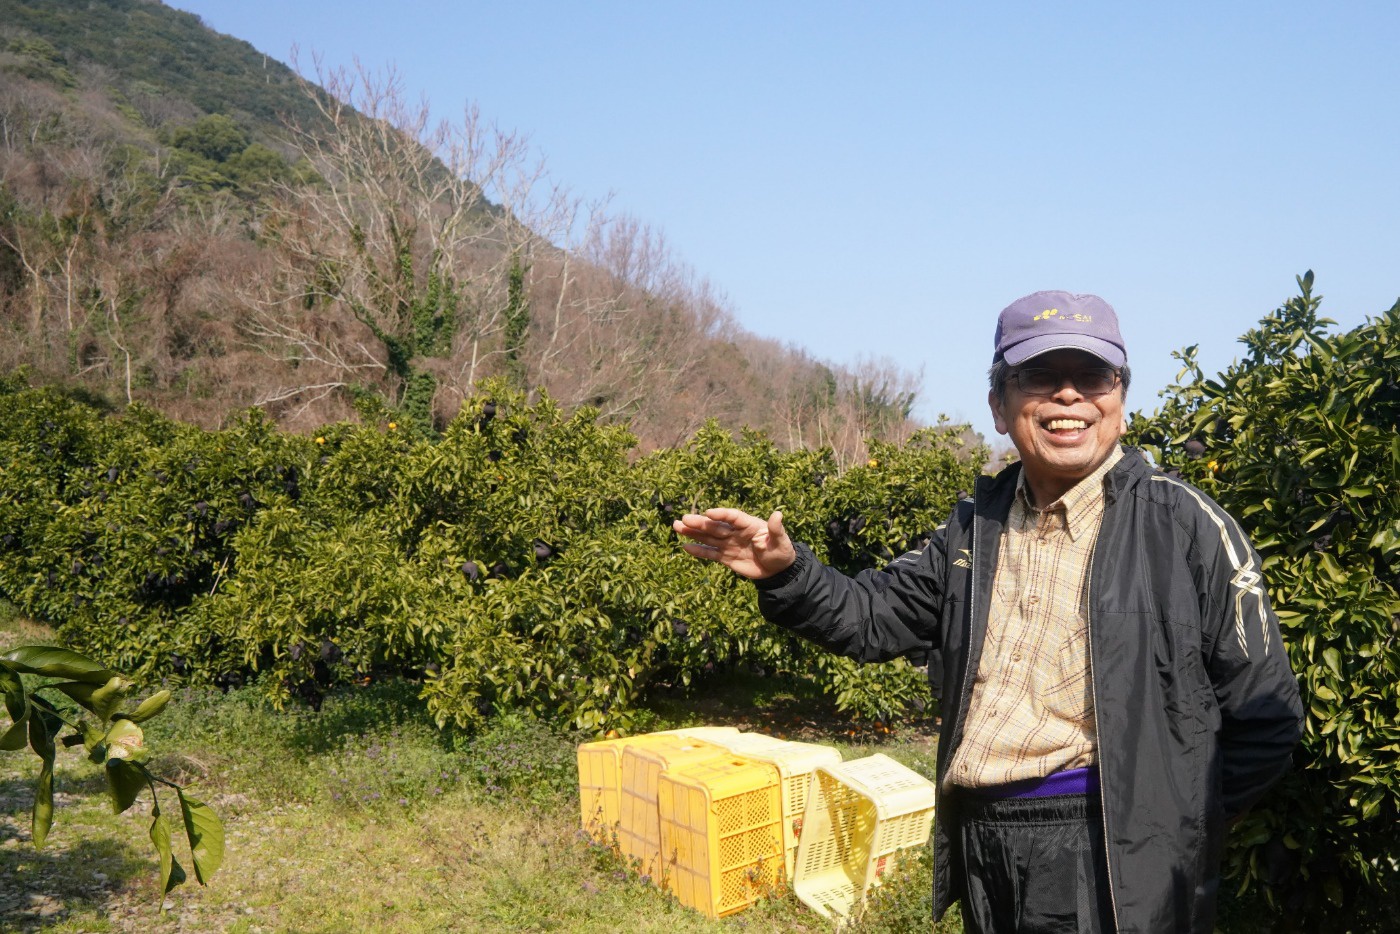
<point x="998" y="416"/>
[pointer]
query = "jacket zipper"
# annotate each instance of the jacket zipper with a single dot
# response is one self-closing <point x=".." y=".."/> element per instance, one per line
<point x="1098" y="735"/>
<point x="967" y="654"/>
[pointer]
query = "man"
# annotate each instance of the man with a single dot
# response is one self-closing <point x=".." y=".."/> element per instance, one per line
<point x="1115" y="689"/>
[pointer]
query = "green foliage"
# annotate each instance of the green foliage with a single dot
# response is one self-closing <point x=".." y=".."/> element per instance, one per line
<point x="1299" y="442"/>
<point x="522" y="561"/>
<point x="517" y="322"/>
<point x="215" y="153"/>
<point x="155" y="50"/>
<point x="417" y="405"/>
<point x="434" y="313"/>
<point x="901" y="902"/>
<point x="215" y="137"/>
<point x="38" y="59"/>
<point x="112" y="737"/>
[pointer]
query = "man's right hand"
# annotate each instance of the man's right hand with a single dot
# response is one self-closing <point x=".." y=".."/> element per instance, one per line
<point x="745" y="544"/>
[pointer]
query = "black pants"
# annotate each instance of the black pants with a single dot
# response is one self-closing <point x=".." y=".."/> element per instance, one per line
<point x="1035" y="866"/>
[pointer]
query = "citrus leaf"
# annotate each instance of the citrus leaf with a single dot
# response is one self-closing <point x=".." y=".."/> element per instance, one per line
<point x="206" y="835"/>
<point x="16" y="701"/>
<point x="17" y="705"/>
<point x="148" y="708"/>
<point x="15" y="736"/>
<point x="54" y="662"/>
<point x="1333" y="658"/>
<point x="41" y="741"/>
<point x="125" y="782"/>
<point x="102" y="699"/>
<point x="1332" y="569"/>
<point x="42" y="729"/>
<point x="171" y="873"/>
<point x="43" y="805"/>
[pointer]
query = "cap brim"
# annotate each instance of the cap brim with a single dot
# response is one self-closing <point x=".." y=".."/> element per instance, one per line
<point x="1109" y="353"/>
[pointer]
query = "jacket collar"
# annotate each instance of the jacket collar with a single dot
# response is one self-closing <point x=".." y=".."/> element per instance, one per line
<point x="1130" y="470"/>
<point x="994" y="494"/>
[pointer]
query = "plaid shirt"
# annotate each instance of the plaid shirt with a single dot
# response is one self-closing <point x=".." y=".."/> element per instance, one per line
<point x="1032" y="709"/>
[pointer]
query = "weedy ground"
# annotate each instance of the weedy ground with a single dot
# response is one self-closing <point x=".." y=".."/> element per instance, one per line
<point x="362" y="816"/>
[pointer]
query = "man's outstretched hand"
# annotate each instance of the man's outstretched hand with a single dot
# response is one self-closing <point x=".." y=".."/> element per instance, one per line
<point x="747" y="545"/>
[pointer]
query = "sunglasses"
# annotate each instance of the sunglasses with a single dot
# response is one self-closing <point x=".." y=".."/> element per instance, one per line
<point x="1039" y="381"/>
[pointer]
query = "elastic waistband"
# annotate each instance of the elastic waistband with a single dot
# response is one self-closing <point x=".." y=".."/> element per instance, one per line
<point x="1049" y="809"/>
<point x="1083" y="781"/>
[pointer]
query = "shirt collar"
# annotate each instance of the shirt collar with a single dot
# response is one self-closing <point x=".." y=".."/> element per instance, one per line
<point x="1081" y="503"/>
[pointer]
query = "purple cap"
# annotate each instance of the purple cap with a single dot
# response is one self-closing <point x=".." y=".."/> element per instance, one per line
<point x="1046" y="321"/>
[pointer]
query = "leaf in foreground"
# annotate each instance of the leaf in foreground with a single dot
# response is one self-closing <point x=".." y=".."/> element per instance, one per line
<point x="41" y="741"/>
<point x="171" y="872"/>
<point x="102" y="699"/>
<point x="54" y="662"/>
<point x="17" y="705"/>
<point x="206" y="835"/>
<point x="125" y="782"/>
<point x="43" y="806"/>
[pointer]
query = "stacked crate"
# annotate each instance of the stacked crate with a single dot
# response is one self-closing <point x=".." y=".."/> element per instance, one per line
<point x="722" y="817"/>
<point x="639" y="817"/>
<point x="795" y="763"/>
<point x="721" y="833"/>
<point x="600" y="777"/>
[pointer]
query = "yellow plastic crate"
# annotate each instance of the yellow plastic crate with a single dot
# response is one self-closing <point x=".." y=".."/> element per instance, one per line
<point x="639" y="822"/>
<point x="600" y="778"/>
<point x="859" y="815"/>
<point x="721" y="832"/>
<point x="795" y="763"/>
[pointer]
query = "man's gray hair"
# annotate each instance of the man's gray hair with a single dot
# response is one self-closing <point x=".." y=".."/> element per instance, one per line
<point x="1001" y="372"/>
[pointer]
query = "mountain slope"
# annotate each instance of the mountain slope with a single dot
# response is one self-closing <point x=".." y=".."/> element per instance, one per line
<point x="148" y="48"/>
<point x="187" y="223"/>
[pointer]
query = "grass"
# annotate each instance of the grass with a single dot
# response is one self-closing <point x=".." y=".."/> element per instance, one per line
<point x="364" y="817"/>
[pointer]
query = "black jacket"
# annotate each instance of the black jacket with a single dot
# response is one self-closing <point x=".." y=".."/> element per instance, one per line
<point x="1196" y="708"/>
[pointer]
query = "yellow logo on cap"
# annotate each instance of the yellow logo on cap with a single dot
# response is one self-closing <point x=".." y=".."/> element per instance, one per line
<point x="1049" y="313"/>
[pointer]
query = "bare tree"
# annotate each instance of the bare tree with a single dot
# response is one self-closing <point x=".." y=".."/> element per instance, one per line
<point x="411" y="231"/>
<point x="53" y="229"/>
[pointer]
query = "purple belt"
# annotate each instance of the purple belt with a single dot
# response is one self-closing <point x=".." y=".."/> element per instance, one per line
<point x="1069" y="782"/>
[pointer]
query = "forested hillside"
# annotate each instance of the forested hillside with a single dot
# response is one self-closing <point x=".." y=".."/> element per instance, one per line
<point x="189" y="223"/>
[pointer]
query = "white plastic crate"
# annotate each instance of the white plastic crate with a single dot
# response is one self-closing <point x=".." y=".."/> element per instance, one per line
<point x="860" y="814"/>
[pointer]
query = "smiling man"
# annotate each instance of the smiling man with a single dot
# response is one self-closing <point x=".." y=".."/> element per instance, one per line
<point x="1115" y="689"/>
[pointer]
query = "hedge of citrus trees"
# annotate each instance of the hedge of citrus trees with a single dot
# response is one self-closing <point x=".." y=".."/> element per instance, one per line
<point x="1301" y="441"/>
<point x="523" y="559"/>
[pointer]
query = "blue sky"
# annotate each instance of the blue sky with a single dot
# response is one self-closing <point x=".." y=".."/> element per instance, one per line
<point x="879" y="180"/>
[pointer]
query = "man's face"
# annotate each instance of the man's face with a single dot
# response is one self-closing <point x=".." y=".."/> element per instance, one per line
<point x="1062" y="437"/>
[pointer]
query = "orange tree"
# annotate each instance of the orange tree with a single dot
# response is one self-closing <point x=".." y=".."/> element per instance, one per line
<point x="1299" y="441"/>
<point x="524" y="559"/>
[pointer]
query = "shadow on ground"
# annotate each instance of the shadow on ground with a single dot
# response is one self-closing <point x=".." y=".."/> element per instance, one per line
<point x="79" y="869"/>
